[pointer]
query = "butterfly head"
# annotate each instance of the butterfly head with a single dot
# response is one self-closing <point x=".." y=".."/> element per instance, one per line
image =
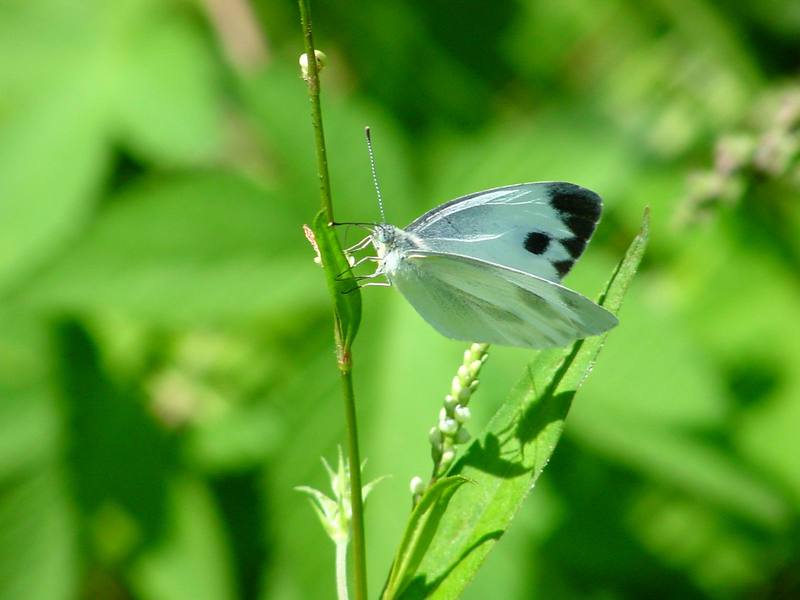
<point x="391" y="245"/>
<point x="384" y="239"/>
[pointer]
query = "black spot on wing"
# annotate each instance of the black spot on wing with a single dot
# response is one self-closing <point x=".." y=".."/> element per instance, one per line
<point x="563" y="266"/>
<point x="537" y="242"/>
<point x="574" y="246"/>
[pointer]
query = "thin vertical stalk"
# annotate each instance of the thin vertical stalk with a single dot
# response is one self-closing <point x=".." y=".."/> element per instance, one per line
<point x="359" y="550"/>
<point x="316" y="112"/>
<point x="343" y="352"/>
<point x="341" y="571"/>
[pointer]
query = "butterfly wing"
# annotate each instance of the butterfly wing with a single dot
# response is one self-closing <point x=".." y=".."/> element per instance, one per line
<point x="472" y="300"/>
<point x="538" y="228"/>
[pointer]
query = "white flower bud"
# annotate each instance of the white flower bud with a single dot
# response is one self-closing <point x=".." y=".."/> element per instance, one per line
<point x="417" y="486"/>
<point x="447" y="457"/>
<point x="321" y="58"/>
<point x="462" y="414"/>
<point x="465" y="393"/>
<point x="435" y="437"/>
<point x="463" y="373"/>
<point x="475" y="368"/>
<point x="450" y="403"/>
<point x="456" y="386"/>
<point x="467" y="356"/>
<point x="448" y="426"/>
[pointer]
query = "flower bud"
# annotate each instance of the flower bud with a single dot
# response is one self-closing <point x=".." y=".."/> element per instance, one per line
<point x="448" y="457"/>
<point x="448" y="426"/>
<point x="321" y="58"/>
<point x="456" y="386"/>
<point x="462" y="414"/>
<point x="463" y="436"/>
<point x="417" y="486"/>
<point x="475" y="368"/>
<point x="435" y="437"/>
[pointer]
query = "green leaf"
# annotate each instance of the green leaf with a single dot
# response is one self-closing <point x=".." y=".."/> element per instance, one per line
<point x="167" y="105"/>
<point x="343" y="288"/>
<point x="192" y="560"/>
<point x="51" y="161"/>
<point x="207" y="248"/>
<point x="419" y="533"/>
<point x="38" y="541"/>
<point x="508" y="458"/>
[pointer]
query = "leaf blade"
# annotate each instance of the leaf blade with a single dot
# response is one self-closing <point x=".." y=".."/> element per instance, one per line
<point x="341" y="284"/>
<point x="419" y="533"/>
<point x="527" y="427"/>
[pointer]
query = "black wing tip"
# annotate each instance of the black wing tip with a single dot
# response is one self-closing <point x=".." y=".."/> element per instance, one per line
<point x="573" y="200"/>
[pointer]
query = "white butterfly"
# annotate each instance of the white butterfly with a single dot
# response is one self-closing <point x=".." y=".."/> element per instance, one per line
<point x="486" y="267"/>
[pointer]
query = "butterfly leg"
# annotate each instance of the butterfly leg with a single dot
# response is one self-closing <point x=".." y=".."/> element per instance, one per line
<point x="360" y="261"/>
<point x="359" y="245"/>
<point x="371" y="284"/>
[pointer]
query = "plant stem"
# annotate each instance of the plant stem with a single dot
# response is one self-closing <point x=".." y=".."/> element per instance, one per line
<point x="341" y="570"/>
<point x="316" y="112"/>
<point x="343" y="353"/>
<point x="357" y="522"/>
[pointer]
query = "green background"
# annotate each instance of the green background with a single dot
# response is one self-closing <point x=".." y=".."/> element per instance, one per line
<point x="167" y="373"/>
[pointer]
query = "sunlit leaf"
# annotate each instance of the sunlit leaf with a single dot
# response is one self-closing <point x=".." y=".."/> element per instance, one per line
<point x="507" y="459"/>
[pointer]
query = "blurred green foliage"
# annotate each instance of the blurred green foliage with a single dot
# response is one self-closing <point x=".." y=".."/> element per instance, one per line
<point x="166" y="364"/>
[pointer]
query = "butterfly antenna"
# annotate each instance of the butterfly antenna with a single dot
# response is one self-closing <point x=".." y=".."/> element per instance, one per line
<point x="374" y="173"/>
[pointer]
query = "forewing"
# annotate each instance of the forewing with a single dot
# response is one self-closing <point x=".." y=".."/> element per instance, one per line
<point x="472" y="300"/>
<point x="538" y="228"/>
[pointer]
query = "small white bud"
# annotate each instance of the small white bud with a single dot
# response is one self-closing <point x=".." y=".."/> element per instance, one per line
<point x="463" y="373"/>
<point x="463" y="436"/>
<point x="450" y="403"/>
<point x="467" y="356"/>
<point x="475" y="368"/>
<point x="465" y="393"/>
<point x="417" y="486"/>
<point x="321" y="58"/>
<point x="474" y="385"/>
<point x="456" y="386"/>
<point x="435" y="437"/>
<point x="462" y="414"/>
<point x="448" y="426"/>
<point x="447" y="457"/>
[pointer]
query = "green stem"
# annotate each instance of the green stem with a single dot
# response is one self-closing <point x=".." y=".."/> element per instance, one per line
<point x="341" y="570"/>
<point x="343" y="346"/>
<point x="356" y="500"/>
<point x="316" y="112"/>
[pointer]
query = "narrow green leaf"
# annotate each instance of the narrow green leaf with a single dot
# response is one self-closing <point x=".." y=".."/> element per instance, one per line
<point x="507" y="459"/>
<point x="343" y="288"/>
<point x="419" y="533"/>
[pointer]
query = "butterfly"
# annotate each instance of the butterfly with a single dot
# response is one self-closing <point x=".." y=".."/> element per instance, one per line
<point x="487" y="267"/>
